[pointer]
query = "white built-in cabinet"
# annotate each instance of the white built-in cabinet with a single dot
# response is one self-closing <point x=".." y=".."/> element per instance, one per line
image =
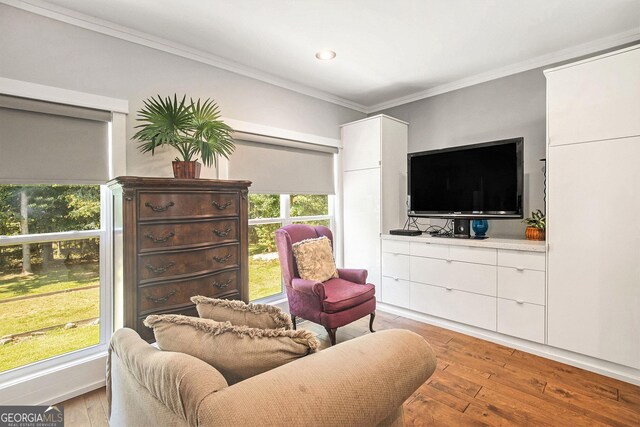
<point x="374" y="180"/>
<point x="497" y="285"/>
<point x="593" y="202"/>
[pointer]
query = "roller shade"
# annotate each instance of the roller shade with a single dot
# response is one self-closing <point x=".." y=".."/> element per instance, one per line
<point x="42" y="142"/>
<point x="283" y="169"/>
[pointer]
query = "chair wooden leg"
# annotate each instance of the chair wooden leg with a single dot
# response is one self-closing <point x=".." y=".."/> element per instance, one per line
<point x="293" y="320"/>
<point x="373" y="316"/>
<point x="332" y="335"/>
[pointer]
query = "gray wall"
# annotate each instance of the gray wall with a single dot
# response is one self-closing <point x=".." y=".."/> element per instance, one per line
<point x="507" y="107"/>
<point x="45" y="51"/>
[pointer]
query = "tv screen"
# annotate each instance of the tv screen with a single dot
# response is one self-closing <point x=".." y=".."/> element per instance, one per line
<point x="473" y="181"/>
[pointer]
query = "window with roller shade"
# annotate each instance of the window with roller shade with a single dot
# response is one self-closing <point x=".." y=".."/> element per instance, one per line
<point x="292" y="183"/>
<point x="53" y="160"/>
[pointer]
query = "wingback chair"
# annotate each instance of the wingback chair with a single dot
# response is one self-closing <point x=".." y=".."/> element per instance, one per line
<point x="332" y="304"/>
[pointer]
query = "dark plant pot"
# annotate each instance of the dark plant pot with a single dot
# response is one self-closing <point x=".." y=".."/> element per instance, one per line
<point x="534" y="233"/>
<point x="186" y="170"/>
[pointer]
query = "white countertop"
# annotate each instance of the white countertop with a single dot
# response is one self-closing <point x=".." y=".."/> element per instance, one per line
<point x="490" y="242"/>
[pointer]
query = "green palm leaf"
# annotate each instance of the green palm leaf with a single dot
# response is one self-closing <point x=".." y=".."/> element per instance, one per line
<point x="192" y="128"/>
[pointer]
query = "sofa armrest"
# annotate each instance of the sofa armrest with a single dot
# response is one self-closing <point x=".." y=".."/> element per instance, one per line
<point x="310" y="287"/>
<point x="327" y="388"/>
<point x="147" y="386"/>
<point x="353" y="275"/>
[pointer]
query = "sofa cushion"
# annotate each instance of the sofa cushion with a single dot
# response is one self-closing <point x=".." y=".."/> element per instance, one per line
<point x="341" y="295"/>
<point x="314" y="259"/>
<point x="263" y="316"/>
<point x="238" y="352"/>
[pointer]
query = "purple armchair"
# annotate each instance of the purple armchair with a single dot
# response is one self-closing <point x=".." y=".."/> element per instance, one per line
<point x="332" y="304"/>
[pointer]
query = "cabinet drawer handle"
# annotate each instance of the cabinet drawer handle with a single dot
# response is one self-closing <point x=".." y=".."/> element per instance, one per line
<point x="519" y="301"/>
<point x="222" y="233"/>
<point x="160" y="300"/>
<point x="396" y="279"/>
<point x="520" y="268"/>
<point x="222" y="285"/>
<point x="159" y="239"/>
<point x="449" y="260"/>
<point x="221" y="207"/>
<point x="159" y="208"/>
<point x="160" y="269"/>
<point x="449" y="289"/>
<point x="223" y="259"/>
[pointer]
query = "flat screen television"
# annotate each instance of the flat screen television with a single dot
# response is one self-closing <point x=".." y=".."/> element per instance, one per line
<point x="473" y="181"/>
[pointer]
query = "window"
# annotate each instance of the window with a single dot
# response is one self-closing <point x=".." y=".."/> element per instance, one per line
<point x="50" y="257"/>
<point x="267" y="213"/>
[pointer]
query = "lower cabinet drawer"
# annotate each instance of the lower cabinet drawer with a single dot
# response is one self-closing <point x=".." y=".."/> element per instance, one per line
<point x="395" y="265"/>
<point x="522" y="259"/>
<point x="156" y="297"/>
<point x="451" y="304"/>
<point x="395" y="247"/>
<point x="521" y="320"/>
<point x="463" y="276"/>
<point x="396" y="291"/>
<point x="521" y="285"/>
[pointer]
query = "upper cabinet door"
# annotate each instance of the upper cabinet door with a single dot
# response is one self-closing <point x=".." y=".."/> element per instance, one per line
<point x="361" y="144"/>
<point x="595" y="100"/>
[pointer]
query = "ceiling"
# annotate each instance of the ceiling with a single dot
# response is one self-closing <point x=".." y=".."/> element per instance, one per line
<point x="388" y="52"/>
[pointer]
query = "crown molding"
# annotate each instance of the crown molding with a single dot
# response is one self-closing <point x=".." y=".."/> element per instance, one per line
<point x="530" y="64"/>
<point x="42" y="8"/>
<point x="138" y="37"/>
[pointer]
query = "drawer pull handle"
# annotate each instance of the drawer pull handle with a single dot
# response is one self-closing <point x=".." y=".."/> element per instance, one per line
<point x="223" y="259"/>
<point x="449" y="260"/>
<point x="519" y="301"/>
<point x="396" y="279"/>
<point x="161" y="269"/>
<point x="222" y="233"/>
<point x="160" y="300"/>
<point x="520" y="268"/>
<point x="159" y="208"/>
<point x="222" y="285"/>
<point x="159" y="239"/>
<point x="221" y="207"/>
<point x="449" y="289"/>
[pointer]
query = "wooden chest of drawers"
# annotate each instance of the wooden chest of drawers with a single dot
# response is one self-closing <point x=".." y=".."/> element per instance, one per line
<point x="173" y="239"/>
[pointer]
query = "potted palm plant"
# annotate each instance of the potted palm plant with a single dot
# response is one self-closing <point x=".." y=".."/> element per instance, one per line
<point x="193" y="128"/>
<point x="536" y="225"/>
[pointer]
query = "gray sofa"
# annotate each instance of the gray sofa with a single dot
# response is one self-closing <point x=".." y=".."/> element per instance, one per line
<point x="362" y="382"/>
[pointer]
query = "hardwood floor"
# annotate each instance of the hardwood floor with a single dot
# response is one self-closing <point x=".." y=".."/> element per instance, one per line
<point x="476" y="383"/>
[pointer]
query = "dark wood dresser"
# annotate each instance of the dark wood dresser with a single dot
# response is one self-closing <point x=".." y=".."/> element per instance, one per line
<point x="175" y="238"/>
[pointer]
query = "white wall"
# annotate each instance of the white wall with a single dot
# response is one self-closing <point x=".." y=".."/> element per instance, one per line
<point x="503" y="108"/>
<point x="45" y="51"/>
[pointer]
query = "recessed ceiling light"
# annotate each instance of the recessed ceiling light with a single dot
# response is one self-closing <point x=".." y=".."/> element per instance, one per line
<point x="325" y="55"/>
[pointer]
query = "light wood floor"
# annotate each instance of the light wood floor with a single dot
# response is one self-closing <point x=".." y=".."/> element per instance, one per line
<point x="476" y="383"/>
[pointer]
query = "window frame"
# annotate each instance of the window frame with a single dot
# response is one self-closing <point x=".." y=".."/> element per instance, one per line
<point x="285" y="218"/>
<point x="105" y="267"/>
<point x="66" y="376"/>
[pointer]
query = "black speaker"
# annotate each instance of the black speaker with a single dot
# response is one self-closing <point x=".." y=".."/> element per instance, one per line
<point x="462" y="228"/>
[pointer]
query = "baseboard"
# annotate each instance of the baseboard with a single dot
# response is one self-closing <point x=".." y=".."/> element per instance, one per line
<point x="603" y="367"/>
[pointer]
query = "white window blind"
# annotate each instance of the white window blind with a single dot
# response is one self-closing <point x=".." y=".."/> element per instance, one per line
<point x="277" y="166"/>
<point x="43" y="142"/>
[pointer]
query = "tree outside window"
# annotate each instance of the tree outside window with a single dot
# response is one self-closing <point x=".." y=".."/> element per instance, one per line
<point x="49" y="283"/>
